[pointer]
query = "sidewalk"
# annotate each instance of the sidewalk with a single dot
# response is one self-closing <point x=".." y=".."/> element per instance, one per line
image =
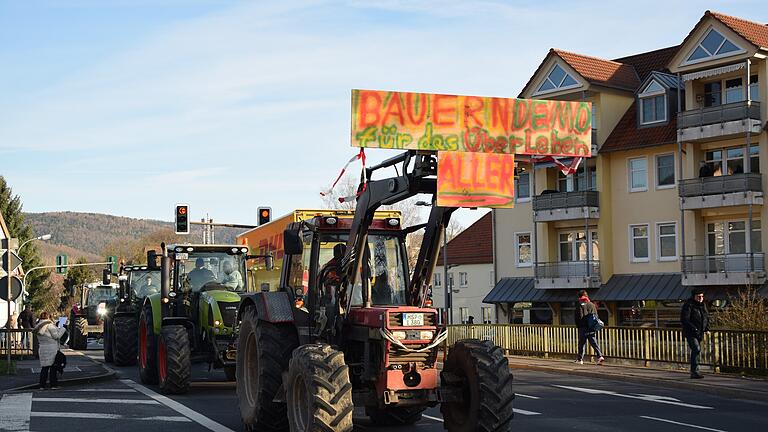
<point x="80" y="369"/>
<point x="728" y="385"/>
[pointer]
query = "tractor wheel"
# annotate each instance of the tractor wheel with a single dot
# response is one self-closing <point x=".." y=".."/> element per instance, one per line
<point x="174" y="366"/>
<point x="230" y="372"/>
<point x="80" y="336"/>
<point x="109" y="340"/>
<point x="124" y="334"/>
<point x="396" y="416"/>
<point x="480" y="369"/>
<point x="263" y="351"/>
<point x="318" y="391"/>
<point x="147" y="343"/>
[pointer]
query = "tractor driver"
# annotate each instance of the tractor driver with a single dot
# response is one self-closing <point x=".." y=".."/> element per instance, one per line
<point x="147" y="288"/>
<point x="231" y="277"/>
<point x="200" y="275"/>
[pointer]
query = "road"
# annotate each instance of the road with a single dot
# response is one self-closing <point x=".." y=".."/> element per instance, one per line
<point x="545" y="402"/>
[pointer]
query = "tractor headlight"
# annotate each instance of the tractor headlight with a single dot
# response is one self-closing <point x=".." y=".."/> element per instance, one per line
<point x="399" y="335"/>
<point x="426" y="335"/>
<point x="217" y="323"/>
<point x="101" y="309"/>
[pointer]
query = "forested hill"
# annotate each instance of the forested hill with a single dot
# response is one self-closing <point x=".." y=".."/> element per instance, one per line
<point x="92" y="232"/>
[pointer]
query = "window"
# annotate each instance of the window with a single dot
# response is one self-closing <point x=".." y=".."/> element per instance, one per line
<point x="639" y="243"/>
<point x="712" y="94"/>
<point x="438" y="280"/>
<point x="577" y="182"/>
<point x="729" y="237"/>
<point x="573" y="246"/>
<point x="753" y="88"/>
<point x="487" y="315"/>
<point x="523" y="186"/>
<point x="665" y="171"/>
<point x="734" y="90"/>
<point x="666" y="242"/>
<point x="732" y="159"/>
<point x="729" y="90"/>
<point x="557" y="79"/>
<point x="523" y="246"/>
<point x="464" y="314"/>
<point x="713" y="45"/>
<point x="653" y="103"/>
<point x="638" y="175"/>
<point x="463" y="279"/>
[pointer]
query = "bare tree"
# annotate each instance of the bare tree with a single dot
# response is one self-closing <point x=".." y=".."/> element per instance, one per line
<point x="747" y="311"/>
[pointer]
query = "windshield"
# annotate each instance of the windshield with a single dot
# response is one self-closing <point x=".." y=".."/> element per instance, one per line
<point x="144" y="282"/>
<point x="212" y="270"/>
<point x="384" y="266"/>
<point x="98" y="295"/>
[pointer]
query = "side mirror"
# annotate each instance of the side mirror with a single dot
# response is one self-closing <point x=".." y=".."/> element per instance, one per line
<point x="292" y="242"/>
<point x="165" y="277"/>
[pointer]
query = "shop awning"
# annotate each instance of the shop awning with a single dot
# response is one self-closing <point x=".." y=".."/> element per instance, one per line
<point x="712" y="72"/>
<point x="522" y="289"/>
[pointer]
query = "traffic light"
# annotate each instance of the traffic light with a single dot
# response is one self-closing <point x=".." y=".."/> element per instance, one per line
<point x="182" y="219"/>
<point x="113" y="266"/>
<point x="61" y="260"/>
<point x="265" y="215"/>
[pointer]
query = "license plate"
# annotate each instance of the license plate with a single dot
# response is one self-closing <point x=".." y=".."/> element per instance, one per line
<point x="182" y="256"/>
<point x="413" y="320"/>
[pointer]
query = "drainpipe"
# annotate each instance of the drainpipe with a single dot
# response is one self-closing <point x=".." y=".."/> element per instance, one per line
<point x="680" y="170"/>
<point x="534" y="234"/>
<point x="747" y="170"/>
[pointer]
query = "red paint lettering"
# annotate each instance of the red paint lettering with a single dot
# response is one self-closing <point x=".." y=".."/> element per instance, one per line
<point x="472" y="106"/>
<point x="394" y="108"/>
<point x="412" y="109"/>
<point x="444" y="110"/>
<point x="369" y="105"/>
<point x="500" y="114"/>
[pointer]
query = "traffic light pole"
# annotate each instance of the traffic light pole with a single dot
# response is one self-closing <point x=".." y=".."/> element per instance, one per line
<point x="26" y="273"/>
<point x="8" y="320"/>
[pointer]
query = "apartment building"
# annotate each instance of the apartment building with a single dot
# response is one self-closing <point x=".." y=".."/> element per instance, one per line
<point x="470" y="274"/>
<point x="672" y="197"/>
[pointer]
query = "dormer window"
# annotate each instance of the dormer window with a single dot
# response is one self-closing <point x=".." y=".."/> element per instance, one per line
<point x="558" y="79"/>
<point x="713" y="45"/>
<point x="653" y="103"/>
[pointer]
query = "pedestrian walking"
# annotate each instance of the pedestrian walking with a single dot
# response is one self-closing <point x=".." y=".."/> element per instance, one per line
<point x="26" y="322"/>
<point x="584" y="309"/>
<point x="14" y="335"/>
<point x="48" y="336"/>
<point x="695" y="320"/>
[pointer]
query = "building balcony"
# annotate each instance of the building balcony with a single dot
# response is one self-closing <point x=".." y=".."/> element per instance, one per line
<point x="732" y="269"/>
<point x="713" y="123"/>
<point x="721" y="191"/>
<point x="567" y="274"/>
<point x="557" y="206"/>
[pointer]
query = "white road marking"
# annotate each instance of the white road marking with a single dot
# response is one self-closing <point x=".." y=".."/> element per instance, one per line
<point x="112" y="401"/>
<point x="66" y="369"/>
<point x="524" y="412"/>
<point x="432" y="418"/>
<point x="648" y="398"/>
<point x="682" y="424"/>
<point x="526" y="396"/>
<point x="102" y="416"/>
<point x="14" y="414"/>
<point x="95" y="390"/>
<point x="179" y="408"/>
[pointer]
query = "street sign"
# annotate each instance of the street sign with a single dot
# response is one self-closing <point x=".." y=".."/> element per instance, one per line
<point x="14" y="264"/>
<point x="15" y="288"/>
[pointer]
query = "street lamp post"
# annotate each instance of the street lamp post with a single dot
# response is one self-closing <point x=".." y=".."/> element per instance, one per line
<point x="44" y="237"/>
<point x="448" y="289"/>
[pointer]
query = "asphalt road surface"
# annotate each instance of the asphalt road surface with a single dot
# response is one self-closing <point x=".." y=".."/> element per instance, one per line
<point x="545" y="402"/>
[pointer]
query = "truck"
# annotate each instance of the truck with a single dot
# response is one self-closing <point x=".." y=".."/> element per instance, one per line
<point x="86" y="318"/>
<point x="121" y="320"/>
<point x="355" y="327"/>
<point x="193" y="317"/>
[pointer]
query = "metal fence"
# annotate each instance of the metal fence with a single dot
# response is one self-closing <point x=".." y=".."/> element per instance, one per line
<point x="731" y="350"/>
<point x="559" y="200"/>
<point x="21" y="342"/>
<point x="718" y="114"/>
<point x="730" y="263"/>
<point x="717" y="185"/>
<point x="567" y="269"/>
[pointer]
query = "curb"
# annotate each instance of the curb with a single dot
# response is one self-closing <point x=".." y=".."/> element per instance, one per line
<point x="71" y="381"/>
<point x="744" y="394"/>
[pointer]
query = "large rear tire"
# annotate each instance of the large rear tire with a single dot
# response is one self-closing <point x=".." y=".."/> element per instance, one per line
<point x="109" y="340"/>
<point x="231" y="373"/>
<point x="79" y="335"/>
<point x="147" y="343"/>
<point x="263" y="352"/>
<point x="174" y="365"/>
<point x="318" y="391"/>
<point x="396" y="416"/>
<point x="481" y="371"/>
<point x="125" y="334"/>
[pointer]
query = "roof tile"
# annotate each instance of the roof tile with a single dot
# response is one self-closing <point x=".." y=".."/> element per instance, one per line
<point x="602" y="72"/>
<point x="474" y="245"/>
<point x="752" y="31"/>
<point x="627" y="136"/>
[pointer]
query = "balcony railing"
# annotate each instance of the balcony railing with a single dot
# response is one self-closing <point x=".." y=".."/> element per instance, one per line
<point x="730" y="269"/>
<point x="718" y="114"/>
<point x="567" y="274"/>
<point x="721" y="185"/>
<point x="562" y="200"/>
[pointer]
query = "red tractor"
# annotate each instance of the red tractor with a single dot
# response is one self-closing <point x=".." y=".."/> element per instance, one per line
<point x="351" y="325"/>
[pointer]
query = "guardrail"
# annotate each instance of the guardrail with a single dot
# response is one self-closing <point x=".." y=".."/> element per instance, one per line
<point x="730" y="263"/>
<point x="559" y="200"/>
<point x="734" y="183"/>
<point x="21" y="342"/>
<point x="718" y="114"/>
<point x="731" y="350"/>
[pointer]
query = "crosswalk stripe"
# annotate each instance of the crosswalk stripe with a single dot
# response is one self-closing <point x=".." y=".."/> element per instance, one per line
<point x="85" y="400"/>
<point x="525" y="412"/>
<point x="98" y="390"/>
<point x="83" y="415"/>
<point x="432" y="418"/>
<point x="526" y="396"/>
<point x="179" y="408"/>
<point x="14" y="414"/>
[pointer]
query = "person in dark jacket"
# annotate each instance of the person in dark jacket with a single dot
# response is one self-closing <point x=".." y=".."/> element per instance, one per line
<point x="583" y="309"/>
<point x="26" y="321"/>
<point x="695" y="320"/>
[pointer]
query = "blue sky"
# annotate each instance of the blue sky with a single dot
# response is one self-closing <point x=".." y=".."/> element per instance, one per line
<point x="126" y="107"/>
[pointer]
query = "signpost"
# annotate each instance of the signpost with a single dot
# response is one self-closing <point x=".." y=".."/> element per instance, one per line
<point x="9" y="264"/>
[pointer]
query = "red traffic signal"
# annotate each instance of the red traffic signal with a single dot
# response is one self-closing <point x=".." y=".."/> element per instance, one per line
<point x="182" y="219"/>
<point x="265" y="215"/>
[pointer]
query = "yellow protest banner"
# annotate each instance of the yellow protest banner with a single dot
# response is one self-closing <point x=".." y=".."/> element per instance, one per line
<point x="437" y="122"/>
<point x="475" y="179"/>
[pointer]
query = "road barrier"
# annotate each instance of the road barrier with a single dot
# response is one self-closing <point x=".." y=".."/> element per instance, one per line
<point x="726" y="350"/>
<point x="21" y="342"/>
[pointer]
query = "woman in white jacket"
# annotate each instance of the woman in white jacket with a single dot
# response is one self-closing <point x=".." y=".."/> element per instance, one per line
<point x="48" y="336"/>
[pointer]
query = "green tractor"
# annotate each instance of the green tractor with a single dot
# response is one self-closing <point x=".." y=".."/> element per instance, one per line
<point x="86" y="317"/>
<point x="121" y="321"/>
<point x="193" y="317"/>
